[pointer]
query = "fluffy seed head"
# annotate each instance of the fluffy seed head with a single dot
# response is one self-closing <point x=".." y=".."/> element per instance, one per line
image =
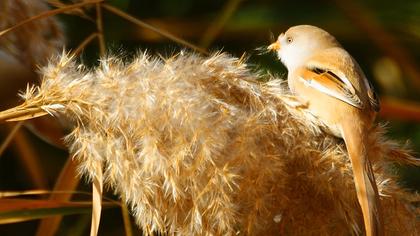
<point x="198" y="146"/>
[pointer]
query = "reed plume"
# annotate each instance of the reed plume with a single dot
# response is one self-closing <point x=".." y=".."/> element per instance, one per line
<point x="199" y="146"/>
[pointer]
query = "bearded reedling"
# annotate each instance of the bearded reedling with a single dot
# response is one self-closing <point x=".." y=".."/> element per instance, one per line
<point x="336" y="91"/>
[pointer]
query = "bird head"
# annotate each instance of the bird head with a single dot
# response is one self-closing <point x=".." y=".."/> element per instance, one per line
<point x="299" y="43"/>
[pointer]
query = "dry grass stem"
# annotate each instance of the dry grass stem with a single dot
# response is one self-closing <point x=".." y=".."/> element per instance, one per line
<point x="400" y="108"/>
<point x="9" y="137"/>
<point x="198" y="146"/>
<point x="216" y="27"/>
<point x="67" y="180"/>
<point x="100" y="29"/>
<point x="84" y="43"/>
<point x="97" y="188"/>
<point x="140" y="23"/>
<point x="387" y="42"/>
<point x="4" y="194"/>
<point x="27" y="33"/>
<point x="30" y="162"/>
<point x="48" y="14"/>
<point x="126" y="218"/>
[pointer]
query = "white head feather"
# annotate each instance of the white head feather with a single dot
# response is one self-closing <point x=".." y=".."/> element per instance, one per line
<point x="299" y="43"/>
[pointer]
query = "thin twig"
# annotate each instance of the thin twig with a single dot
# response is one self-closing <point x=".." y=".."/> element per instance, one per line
<point x="4" y="194"/>
<point x="215" y="28"/>
<point x="363" y="19"/>
<point x="140" y="23"/>
<point x="10" y="136"/>
<point x="126" y="218"/>
<point x="100" y="29"/>
<point x="400" y="109"/>
<point x="67" y="180"/>
<point x="20" y="113"/>
<point x="76" y="12"/>
<point x="48" y="14"/>
<point x="97" y="187"/>
<point x="29" y="159"/>
<point x="84" y="43"/>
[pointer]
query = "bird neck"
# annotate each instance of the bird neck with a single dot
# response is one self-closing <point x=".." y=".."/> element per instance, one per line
<point x="295" y="60"/>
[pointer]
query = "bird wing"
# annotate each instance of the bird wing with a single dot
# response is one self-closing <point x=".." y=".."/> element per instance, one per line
<point x="330" y="83"/>
<point x="373" y="97"/>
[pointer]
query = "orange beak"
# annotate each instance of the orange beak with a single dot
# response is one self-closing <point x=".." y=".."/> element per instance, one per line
<point x="274" y="46"/>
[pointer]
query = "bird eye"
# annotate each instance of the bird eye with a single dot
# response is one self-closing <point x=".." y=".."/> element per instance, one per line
<point x="289" y="39"/>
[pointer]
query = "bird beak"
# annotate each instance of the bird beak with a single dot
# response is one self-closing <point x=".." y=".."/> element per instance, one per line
<point x="274" y="46"/>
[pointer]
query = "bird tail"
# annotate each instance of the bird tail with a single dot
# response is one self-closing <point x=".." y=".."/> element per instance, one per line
<point x="355" y="138"/>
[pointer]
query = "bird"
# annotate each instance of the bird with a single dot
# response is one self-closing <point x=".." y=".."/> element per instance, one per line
<point x="333" y="87"/>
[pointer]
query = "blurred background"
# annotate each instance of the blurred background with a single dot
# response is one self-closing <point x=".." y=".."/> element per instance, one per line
<point x="382" y="35"/>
